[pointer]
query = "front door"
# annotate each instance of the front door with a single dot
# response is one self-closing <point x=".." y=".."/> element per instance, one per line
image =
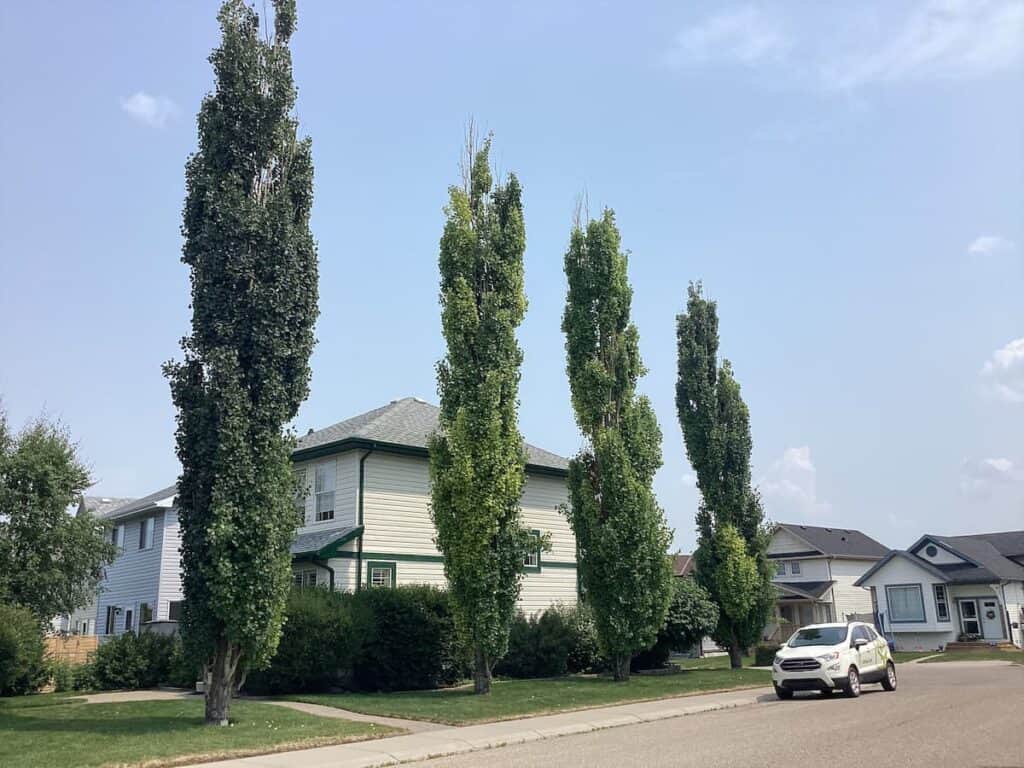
<point x="991" y="625"/>
<point x="970" y="622"/>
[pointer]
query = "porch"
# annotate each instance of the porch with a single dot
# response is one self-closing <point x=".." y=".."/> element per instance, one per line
<point x="797" y="607"/>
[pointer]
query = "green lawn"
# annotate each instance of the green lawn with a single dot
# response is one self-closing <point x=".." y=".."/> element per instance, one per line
<point x="711" y="662"/>
<point x="518" y="698"/>
<point x="50" y="730"/>
<point x="982" y="654"/>
<point x="902" y="656"/>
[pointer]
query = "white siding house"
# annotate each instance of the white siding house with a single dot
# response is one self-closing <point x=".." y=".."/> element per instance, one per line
<point x="946" y="589"/>
<point x="365" y="520"/>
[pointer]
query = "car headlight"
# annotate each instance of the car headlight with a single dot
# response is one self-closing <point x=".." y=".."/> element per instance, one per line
<point x="829" y="656"/>
<point x="778" y="660"/>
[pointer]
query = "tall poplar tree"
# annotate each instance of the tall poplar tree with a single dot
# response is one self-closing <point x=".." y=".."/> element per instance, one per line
<point x="246" y="363"/>
<point x="476" y="458"/>
<point x="621" y="534"/>
<point x="731" y="557"/>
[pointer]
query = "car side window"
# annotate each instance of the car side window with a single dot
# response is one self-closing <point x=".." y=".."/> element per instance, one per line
<point x="858" y="634"/>
<point x="872" y="635"/>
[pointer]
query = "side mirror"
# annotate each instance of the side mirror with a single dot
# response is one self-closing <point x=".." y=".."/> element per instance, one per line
<point x="859" y="643"/>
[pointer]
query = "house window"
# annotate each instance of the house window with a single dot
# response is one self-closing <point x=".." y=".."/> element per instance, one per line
<point x="129" y="623"/>
<point x="780" y="568"/>
<point x="381" y="574"/>
<point x="326" y="474"/>
<point x="108" y="628"/>
<point x="301" y="490"/>
<point x="304" y="578"/>
<point x="532" y="560"/>
<point x="174" y="610"/>
<point x="146" y="533"/>
<point x="145" y="614"/>
<point x="905" y="602"/>
<point x="941" y="602"/>
<point x="117" y="537"/>
<point x="794" y="568"/>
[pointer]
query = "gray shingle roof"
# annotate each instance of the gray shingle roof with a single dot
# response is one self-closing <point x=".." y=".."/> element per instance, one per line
<point x="838" y="542"/>
<point x="683" y="565"/>
<point x="982" y="548"/>
<point x="315" y="541"/>
<point x="100" y="506"/>
<point x="140" y="505"/>
<point x="407" y="422"/>
<point x="813" y="589"/>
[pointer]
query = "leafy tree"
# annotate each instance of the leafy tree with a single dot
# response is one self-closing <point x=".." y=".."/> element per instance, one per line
<point x="692" y="615"/>
<point x="246" y="363"/>
<point x="621" y="534"/>
<point x="731" y="555"/>
<point x="50" y="561"/>
<point x="476" y="458"/>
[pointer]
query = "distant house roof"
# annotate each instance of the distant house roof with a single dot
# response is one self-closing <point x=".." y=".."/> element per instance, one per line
<point x="323" y="544"/>
<point x="683" y="565"/>
<point x="837" y="542"/>
<point x="803" y="589"/>
<point x="405" y="423"/>
<point x="152" y="501"/>
<point x="100" y="506"/>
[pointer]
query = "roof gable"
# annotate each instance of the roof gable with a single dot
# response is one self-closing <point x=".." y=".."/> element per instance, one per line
<point x="837" y="542"/>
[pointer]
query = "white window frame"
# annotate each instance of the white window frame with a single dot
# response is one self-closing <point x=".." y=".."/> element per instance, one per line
<point x="326" y="474"/>
<point x="943" y="602"/>
<point x="117" y="536"/>
<point x="304" y="578"/>
<point x="916" y="588"/>
<point x="301" y="492"/>
<point x="780" y="568"/>
<point x="146" y="526"/>
<point x="129" y="619"/>
<point x="794" y="568"/>
<point x="110" y="627"/>
<point x="381" y="574"/>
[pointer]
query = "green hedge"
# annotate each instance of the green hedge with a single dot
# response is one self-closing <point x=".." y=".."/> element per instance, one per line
<point x="764" y="655"/>
<point x="558" y="641"/>
<point x="130" y="661"/>
<point x="23" y="667"/>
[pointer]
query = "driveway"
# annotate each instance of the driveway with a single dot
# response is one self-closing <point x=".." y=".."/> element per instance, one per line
<point x="958" y="714"/>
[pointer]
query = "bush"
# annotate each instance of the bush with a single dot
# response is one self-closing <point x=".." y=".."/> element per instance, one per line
<point x="691" y="615"/>
<point x="83" y="677"/>
<point x="559" y="641"/>
<point x="23" y="667"/>
<point x="764" y="655"/>
<point x="181" y="672"/>
<point x="131" y="661"/>
<point x="407" y="640"/>
<point x="585" y="653"/>
<point x="62" y="674"/>
<point x="317" y="645"/>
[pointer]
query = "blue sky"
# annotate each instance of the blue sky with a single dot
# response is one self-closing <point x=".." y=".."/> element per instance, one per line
<point x="846" y="179"/>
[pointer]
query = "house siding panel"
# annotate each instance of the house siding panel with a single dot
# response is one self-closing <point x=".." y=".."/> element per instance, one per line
<point x="849" y="600"/>
<point x="134" y="576"/>
<point x="169" y="588"/>
<point x="783" y="541"/>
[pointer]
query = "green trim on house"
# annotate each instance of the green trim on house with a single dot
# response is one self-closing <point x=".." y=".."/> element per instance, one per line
<point x="389" y="566"/>
<point x="402" y="557"/>
<point x="351" y="443"/>
<point x="330" y="550"/>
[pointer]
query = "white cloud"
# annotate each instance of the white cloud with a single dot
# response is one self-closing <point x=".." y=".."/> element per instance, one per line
<point x="981" y="478"/>
<point x="990" y="245"/>
<point x="941" y="39"/>
<point x="789" y="489"/>
<point x="745" y="35"/>
<point x="1003" y="373"/>
<point x="154" y="111"/>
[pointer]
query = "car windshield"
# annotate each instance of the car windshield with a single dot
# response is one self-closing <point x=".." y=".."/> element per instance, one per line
<point x="818" y="636"/>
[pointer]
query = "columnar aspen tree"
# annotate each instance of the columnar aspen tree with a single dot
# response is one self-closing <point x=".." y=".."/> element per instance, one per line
<point x="621" y="534"/>
<point x="731" y="556"/>
<point x="476" y="458"/>
<point x="246" y="363"/>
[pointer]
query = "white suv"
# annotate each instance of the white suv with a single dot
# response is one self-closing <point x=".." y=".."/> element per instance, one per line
<point x="824" y="657"/>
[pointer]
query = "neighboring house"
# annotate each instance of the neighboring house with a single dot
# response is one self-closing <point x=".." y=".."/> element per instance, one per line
<point x="365" y="521"/>
<point x="816" y="570"/>
<point x="83" y="620"/>
<point x="683" y="566"/>
<point x="945" y="589"/>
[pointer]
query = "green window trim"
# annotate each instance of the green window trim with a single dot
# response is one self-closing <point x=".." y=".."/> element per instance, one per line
<point x="380" y="565"/>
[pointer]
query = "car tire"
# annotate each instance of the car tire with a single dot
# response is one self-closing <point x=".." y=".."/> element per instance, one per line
<point x="783" y="693"/>
<point x="889" y="681"/>
<point x="852" y="685"/>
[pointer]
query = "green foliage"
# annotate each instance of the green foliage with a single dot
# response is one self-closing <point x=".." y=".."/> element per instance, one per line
<point x="538" y="646"/>
<point x="23" y="667"/>
<point x="62" y="675"/>
<point x="621" y="534"/>
<point x="476" y="458"/>
<point x="50" y="561"/>
<point x="764" y="655"/>
<point x="731" y="556"/>
<point x="131" y="661"/>
<point x="585" y="653"/>
<point x="408" y="639"/>
<point x="317" y="648"/>
<point x="246" y="363"/>
<point x="691" y="616"/>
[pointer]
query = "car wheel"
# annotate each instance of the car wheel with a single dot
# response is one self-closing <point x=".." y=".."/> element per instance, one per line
<point x="852" y="687"/>
<point x="889" y="681"/>
<point x="783" y="693"/>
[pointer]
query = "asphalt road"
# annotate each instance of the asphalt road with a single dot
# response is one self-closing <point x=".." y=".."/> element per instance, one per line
<point x="962" y="714"/>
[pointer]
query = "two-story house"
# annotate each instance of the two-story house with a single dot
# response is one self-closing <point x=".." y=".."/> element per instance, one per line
<point x="816" y="570"/>
<point x="365" y="521"/>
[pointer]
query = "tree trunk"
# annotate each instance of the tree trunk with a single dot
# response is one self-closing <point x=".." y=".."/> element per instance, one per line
<point x="735" y="653"/>
<point x="620" y="671"/>
<point x="220" y="682"/>
<point x="481" y="672"/>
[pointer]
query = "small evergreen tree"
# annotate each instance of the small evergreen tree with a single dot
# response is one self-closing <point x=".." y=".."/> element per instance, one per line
<point x="246" y="367"/>
<point x="731" y="557"/>
<point x="476" y="458"/>
<point x="622" y="538"/>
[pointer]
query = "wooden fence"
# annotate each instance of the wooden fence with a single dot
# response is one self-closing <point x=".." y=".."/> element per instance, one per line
<point x="74" y="649"/>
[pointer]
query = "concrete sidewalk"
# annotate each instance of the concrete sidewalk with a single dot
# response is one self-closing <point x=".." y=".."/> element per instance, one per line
<point x="469" y="738"/>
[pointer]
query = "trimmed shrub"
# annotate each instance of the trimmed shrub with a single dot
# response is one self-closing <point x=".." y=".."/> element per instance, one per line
<point x="764" y="655"/>
<point x="181" y="672"/>
<point x="317" y="647"/>
<point x="62" y="675"/>
<point x="23" y="667"/>
<point x="538" y="646"/>
<point x="691" y="615"/>
<point x="131" y="661"/>
<point x="407" y="640"/>
<point x="585" y="653"/>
